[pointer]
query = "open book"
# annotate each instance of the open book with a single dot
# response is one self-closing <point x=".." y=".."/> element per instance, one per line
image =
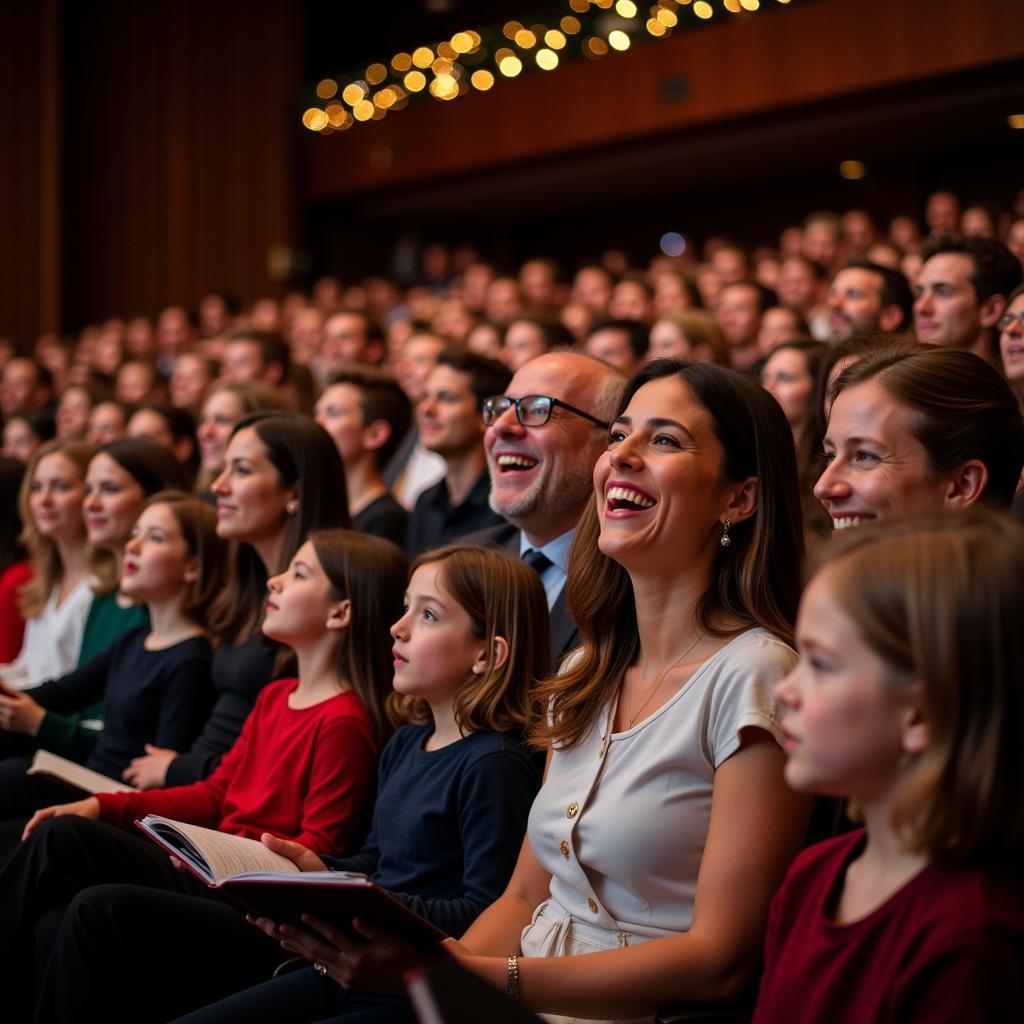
<point x="54" y="767"/>
<point x="266" y="884"/>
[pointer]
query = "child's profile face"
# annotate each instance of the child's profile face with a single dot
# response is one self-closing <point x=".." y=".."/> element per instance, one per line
<point x="298" y="600"/>
<point x="844" y="714"/>
<point x="435" y="650"/>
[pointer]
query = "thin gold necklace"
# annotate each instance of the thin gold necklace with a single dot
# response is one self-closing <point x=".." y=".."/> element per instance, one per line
<point x="657" y="685"/>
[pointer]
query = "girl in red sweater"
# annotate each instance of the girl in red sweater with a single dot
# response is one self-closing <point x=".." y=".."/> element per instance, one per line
<point x="907" y="700"/>
<point x="303" y="768"/>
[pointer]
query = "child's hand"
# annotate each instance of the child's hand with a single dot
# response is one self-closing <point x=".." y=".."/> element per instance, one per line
<point x="303" y="858"/>
<point x="20" y="713"/>
<point x="150" y="770"/>
<point x="88" y="808"/>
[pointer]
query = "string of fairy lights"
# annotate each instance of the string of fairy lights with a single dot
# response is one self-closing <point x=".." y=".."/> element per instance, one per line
<point x="475" y="60"/>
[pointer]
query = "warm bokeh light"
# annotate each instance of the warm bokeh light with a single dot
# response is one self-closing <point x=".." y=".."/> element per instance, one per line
<point x="482" y="79"/>
<point x="415" y="81"/>
<point x="452" y="67"/>
<point x="547" y="60"/>
<point x="1015" y="120"/>
<point x="353" y="93"/>
<point x="510" y="66"/>
<point x="423" y="56"/>
<point x="852" y="170"/>
<point x="314" y="119"/>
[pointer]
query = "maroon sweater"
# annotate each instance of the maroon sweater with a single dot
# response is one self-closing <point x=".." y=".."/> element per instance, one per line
<point x="947" y="947"/>
<point x="308" y="775"/>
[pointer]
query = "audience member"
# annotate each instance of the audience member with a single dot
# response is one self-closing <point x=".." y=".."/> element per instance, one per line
<point x="450" y="424"/>
<point x="367" y="415"/>
<point x="620" y="343"/>
<point x="961" y="292"/>
<point x="915" y="429"/>
<point x="689" y="334"/>
<point x="865" y="298"/>
<point x="739" y="312"/>
<point x="905" y="702"/>
<point x="544" y="435"/>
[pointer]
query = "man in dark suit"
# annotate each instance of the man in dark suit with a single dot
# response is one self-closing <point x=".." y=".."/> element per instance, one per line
<point x="542" y="440"/>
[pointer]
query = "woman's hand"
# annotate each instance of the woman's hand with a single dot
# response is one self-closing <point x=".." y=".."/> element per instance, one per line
<point x="20" y="713"/>
<point x="150" y="770"/>
<point x="377" y="966"/>
<point x="88" y="808"/>
<point x="302" y="857"/>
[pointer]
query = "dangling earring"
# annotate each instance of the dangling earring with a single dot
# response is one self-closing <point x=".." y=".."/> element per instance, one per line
<point x="292" y="507"/>
<point x="726" y="539"/>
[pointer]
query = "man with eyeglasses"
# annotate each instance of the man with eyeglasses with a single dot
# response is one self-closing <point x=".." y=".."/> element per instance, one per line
<point x="543" y="437"/>
<point x="961" y="292"/>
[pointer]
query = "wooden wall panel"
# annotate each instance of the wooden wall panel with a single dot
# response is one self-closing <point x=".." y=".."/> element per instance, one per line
<point x="178" y="149"/>
<point x="815" y="50"/>
<point x="29" y="170"/>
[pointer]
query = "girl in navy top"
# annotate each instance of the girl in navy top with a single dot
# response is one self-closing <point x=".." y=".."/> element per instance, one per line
<point x="455" y="784"/>
<point x="907" y="700"/>
<point x="154" y="680"/>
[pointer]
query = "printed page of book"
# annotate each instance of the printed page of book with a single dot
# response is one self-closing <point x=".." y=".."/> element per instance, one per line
<point x="45" y="763"/>
<point x="223" y="855"/>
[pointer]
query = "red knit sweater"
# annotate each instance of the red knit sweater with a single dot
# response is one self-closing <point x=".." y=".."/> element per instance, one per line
<point x="307" y="775"/>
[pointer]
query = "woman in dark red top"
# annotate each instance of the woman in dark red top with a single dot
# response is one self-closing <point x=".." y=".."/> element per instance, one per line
<point x="908" y="700"/>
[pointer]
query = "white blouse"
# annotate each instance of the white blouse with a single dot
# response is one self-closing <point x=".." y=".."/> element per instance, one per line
<point x="622" y="819"/>
<point x="53" y="639"/>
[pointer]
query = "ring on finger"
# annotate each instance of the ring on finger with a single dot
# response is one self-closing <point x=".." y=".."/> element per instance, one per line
<point x="320" y="968"/>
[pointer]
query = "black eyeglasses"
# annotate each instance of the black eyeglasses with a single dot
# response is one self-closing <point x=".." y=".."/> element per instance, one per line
<point x="532" y="410"/>
<point x="1007" y="320"/>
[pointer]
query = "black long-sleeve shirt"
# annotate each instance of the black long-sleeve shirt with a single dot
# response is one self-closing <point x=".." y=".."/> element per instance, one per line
<point x="160" y="697"/>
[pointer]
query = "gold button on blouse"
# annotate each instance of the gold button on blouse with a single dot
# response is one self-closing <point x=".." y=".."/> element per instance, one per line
<point x="564" y="847"/>
<point x="572" y="810"/>
<point x="592" y="903"/>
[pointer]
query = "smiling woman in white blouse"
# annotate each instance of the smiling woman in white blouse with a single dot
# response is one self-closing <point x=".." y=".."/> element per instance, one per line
<point x="56" y="600"/>
<point x="664" y="825"/>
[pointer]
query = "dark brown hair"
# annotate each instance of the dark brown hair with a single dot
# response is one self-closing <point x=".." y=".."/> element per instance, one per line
<point x="755" y="581"/>
<point x="371" y="573"/>
<point x="502" y="597"/>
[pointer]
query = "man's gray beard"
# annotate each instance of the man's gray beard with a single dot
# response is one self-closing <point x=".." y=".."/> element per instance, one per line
<point x="573" y="491"/>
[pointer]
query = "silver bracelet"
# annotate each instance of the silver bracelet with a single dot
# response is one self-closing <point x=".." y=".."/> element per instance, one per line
<point x="512" y="981"/>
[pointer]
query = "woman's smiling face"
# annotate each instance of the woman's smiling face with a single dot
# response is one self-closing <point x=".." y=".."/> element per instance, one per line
<point x="658" y="486"/>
